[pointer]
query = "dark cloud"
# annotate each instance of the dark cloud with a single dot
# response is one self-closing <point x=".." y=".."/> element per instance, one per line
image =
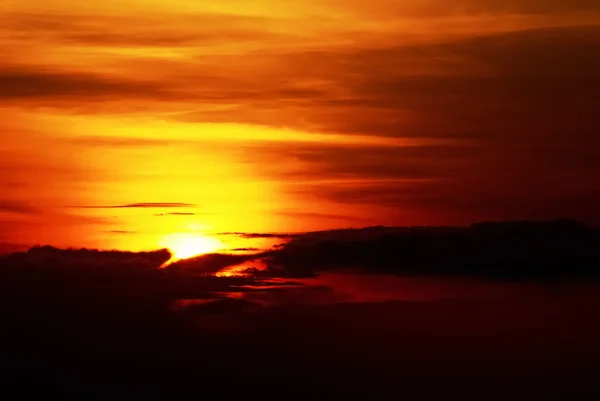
<point x="31" y="83"/>
<point x="117" y="320"/>
<point x="471" y="196"/>
<point x="90" y="258"/>
<point x="316" y="215"/>
<point x="481" y="87"/>
<point x="105" y="269"/>
<point x="13" y="206"/>
<point x="519" y="107"/>
<point x="369" y="163"/>
<point x="512" y="250"/>
<point x="456" y="183"/>
<point x="440" y="8"/>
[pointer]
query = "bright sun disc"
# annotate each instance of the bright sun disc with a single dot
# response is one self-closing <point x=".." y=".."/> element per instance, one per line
<point x="184" y="246"/>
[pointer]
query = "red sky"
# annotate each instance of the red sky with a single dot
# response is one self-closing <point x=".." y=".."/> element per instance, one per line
<point x="127" y="121"/>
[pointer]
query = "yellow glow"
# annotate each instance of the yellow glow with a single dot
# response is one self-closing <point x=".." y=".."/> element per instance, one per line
<point x="184" y="246"/>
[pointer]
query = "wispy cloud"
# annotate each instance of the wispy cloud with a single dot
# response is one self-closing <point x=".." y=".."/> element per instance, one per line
<point x="175" y="214"/>
<point x="326" y="216"/>
<point x="120" y="141"/>
<point x="14" y="206"/>
<point x="145" y="205"/>
<point x="257" y="235"/>
<point x="25" y="83"/>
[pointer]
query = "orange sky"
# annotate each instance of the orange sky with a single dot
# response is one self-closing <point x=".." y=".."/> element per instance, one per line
<point x="125" y="121"/>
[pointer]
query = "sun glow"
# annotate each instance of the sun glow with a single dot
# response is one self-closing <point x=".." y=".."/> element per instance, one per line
<point x="185" y="246"/>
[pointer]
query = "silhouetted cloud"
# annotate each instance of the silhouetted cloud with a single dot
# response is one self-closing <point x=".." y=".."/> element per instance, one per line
<point x="89" y="258"/>
<point x="119" y="320"/>
<point x="513" y="250"/>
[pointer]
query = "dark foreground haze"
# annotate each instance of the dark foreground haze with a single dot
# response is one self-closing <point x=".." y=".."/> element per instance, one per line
<point x="506" y="309"/>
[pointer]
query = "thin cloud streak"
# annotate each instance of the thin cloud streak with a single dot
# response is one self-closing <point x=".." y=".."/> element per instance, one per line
<point x="10" y="206"/>
<point x="176" y="214"/>
<point x="156" y="205"/>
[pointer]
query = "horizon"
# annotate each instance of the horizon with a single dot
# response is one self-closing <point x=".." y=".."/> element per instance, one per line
<point x="538" y="250"/>
<point x="241" y="236"/>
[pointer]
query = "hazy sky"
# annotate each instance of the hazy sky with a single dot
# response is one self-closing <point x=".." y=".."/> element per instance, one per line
<point x="127" y="120"/>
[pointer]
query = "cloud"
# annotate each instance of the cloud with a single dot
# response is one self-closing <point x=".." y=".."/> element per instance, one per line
<point x="200" y="29"/>
<point x="389" y="9"/>
<point x="488" y="110"/>
<point x="138" y="319"/>
<point x="258" y="235"/>
<point x="14" y="206"/>
<point x="511" y="126"/>
<point x="145" y="205"/>
<point x="480" y="87"/>
<point x="175" y="214"/>
<point x="120" y="141"/>
<point x="310" y="162"/>
<point x="20" y="82"/>
<point x="316" y="215"/>
<point x="90" y="258"/>
<point x="512" y="250"/>
<point x="98" y="275"/>
<point x="516" y="107"/>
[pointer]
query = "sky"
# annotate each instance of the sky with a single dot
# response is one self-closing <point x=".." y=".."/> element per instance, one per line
<point x="127" y="122"/>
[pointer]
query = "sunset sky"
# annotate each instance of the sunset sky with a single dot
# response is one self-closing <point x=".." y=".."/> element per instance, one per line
<point x="125" y="122"/>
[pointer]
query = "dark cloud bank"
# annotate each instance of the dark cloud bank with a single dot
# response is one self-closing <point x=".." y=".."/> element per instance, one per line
<point x="88" y="324"/>
<point x="512" y="250"/>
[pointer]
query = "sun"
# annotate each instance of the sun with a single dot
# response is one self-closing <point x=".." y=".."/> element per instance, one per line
<point x="185" y="246"/>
